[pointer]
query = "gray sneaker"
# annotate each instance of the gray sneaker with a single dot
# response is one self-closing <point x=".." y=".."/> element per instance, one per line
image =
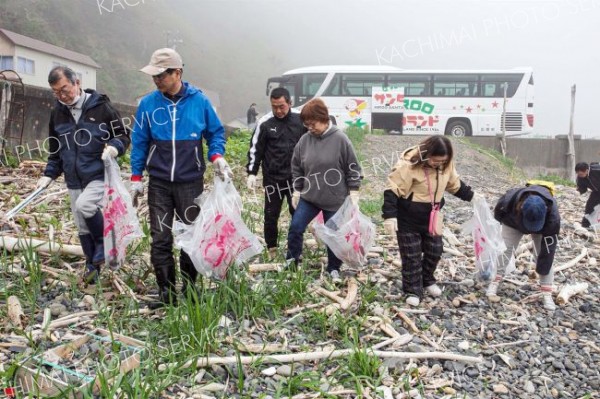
<point x="335" y="276"/>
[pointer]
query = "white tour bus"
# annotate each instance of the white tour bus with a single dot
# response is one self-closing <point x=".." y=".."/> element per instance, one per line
<point x="451" y="102"/>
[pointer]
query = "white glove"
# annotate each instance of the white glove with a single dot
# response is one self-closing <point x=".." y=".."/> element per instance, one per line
<point x="44" y="181"/>
<point x="137" y="190"/>
<point x="222" y="168"/>
<point x="354" y="197"/>
<point x="295" y="199"/>
<point x="109" y="152"/>
<point x="391" y="226"/>
<point x="251" y="182"/>
<point x="477" y="197"/>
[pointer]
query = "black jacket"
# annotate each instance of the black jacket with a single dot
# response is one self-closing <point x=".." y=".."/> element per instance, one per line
<point x="505" y="212"/>
<point x="75" y="149"/>
<point x="592" y="181"/>
<point x="272" y="145"/>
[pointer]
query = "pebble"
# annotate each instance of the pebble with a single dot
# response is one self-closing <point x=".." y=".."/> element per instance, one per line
<point x="529" y="387"/>
<point x="472" y="372"/>
<point x="284" y="370"/>
<point x="500" y="388"/>
<point x="56" y="309"/>
<point x="569" y="365"/>
<point x="464" y="345"/>
<point x="269" y="372"/>
<point x="89" y="301"/>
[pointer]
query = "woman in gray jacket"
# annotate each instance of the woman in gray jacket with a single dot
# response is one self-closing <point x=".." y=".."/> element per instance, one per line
<point x="325" y="171"/>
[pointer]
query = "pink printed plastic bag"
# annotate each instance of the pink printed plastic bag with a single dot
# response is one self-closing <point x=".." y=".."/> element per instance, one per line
<point x="121" y="224"/>
<point x="348" y="233"/>
<point x="487" y="240"/>
<point x="218" y="237"/>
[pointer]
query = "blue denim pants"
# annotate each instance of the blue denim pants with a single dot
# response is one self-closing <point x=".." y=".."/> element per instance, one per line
<point x="303" y="215"/>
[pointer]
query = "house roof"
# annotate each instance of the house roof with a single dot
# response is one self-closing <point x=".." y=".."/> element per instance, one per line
<point x="24" y="41"/>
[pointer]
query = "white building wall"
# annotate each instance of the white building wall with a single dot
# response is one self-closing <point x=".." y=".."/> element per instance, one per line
<point x="45" y="62"/>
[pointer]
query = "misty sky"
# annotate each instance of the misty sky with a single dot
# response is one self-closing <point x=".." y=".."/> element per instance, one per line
<point x="246" y="41"/>
<point x="556" y="38"/>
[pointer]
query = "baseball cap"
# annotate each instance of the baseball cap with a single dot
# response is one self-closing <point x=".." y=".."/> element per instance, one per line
<point x="161" y="60"/>
<point x="534" y="213"/>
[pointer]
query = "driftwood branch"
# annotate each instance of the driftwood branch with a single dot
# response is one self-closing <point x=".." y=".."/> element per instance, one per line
<point x="20" y="244"/>
<point x="15" y="311"/>
<point x="568" y="291"/>
<point x="411" y="325"/>
<point x="454" y="252"/>
<point x="573" y="261"/>
<point x="265" y="267"/>
<point x="319" y="355"/>
<point x="70" y="319"/>
<point x="352" y="293"/>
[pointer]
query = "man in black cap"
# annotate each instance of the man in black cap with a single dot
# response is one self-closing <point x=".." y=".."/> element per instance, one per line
<point x="529" y="210"/>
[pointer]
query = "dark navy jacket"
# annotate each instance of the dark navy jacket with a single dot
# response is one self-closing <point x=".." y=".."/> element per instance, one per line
<point x="75" y="149"/>
<point x="505" y="212"/>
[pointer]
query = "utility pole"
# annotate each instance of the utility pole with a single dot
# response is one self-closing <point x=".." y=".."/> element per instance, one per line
<point x="503" y="134"/>
<point x="571" y="153"/>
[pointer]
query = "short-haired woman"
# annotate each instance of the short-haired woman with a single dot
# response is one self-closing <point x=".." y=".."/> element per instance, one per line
<point x="416" y="184"/>
<point x="325" y="171"/>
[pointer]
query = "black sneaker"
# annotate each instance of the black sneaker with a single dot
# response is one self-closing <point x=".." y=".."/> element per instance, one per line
<point x="91" y="274"/>
<point x="166" y="297"/>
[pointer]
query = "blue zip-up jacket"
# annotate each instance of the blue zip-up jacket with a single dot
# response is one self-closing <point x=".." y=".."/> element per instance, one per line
<point x="167" y="136"/>
<point x="75" y="149"/>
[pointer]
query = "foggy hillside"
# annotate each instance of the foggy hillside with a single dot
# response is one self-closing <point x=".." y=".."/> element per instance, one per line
<point x="121" y="41"/>
<point x="233" y="46"/>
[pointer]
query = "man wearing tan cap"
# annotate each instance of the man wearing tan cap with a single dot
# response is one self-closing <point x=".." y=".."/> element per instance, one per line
<point x="167" y="142"/>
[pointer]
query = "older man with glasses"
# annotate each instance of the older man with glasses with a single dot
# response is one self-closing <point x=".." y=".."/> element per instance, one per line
<point x="167" y="142"/>
<point x="85" y="129"/>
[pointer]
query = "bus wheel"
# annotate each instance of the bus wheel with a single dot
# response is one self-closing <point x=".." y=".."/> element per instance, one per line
<point x="458" y="129"/>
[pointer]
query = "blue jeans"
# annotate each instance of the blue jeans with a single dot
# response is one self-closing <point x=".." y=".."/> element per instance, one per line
<point x="303" y="215"/>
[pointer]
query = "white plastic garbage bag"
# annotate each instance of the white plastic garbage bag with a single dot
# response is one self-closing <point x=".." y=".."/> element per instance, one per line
<point x="594" y="218"/>
<point x="489" y="246"/>
<point x="348" y="233"/>
<point x="218" y="237"/>
<point x="121" y="224"/>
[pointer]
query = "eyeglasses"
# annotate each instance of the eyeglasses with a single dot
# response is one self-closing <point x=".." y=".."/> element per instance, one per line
<point x="63" y="91"/>
<point x="163" y="75"/>
<point x="310" y="124"/>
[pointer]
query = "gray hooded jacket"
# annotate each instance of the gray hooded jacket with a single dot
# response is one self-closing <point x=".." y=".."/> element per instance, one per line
<point x="325" y="168"/>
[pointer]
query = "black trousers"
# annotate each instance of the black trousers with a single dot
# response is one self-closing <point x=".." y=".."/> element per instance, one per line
<point x="166" y="201"/>
<point x="420" y="254"/>
<point x="275" y="193"/>
<point x="591" y="203"/>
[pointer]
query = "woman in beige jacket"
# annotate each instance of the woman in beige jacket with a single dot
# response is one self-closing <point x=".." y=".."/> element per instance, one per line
<point x="416" y="185"/>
